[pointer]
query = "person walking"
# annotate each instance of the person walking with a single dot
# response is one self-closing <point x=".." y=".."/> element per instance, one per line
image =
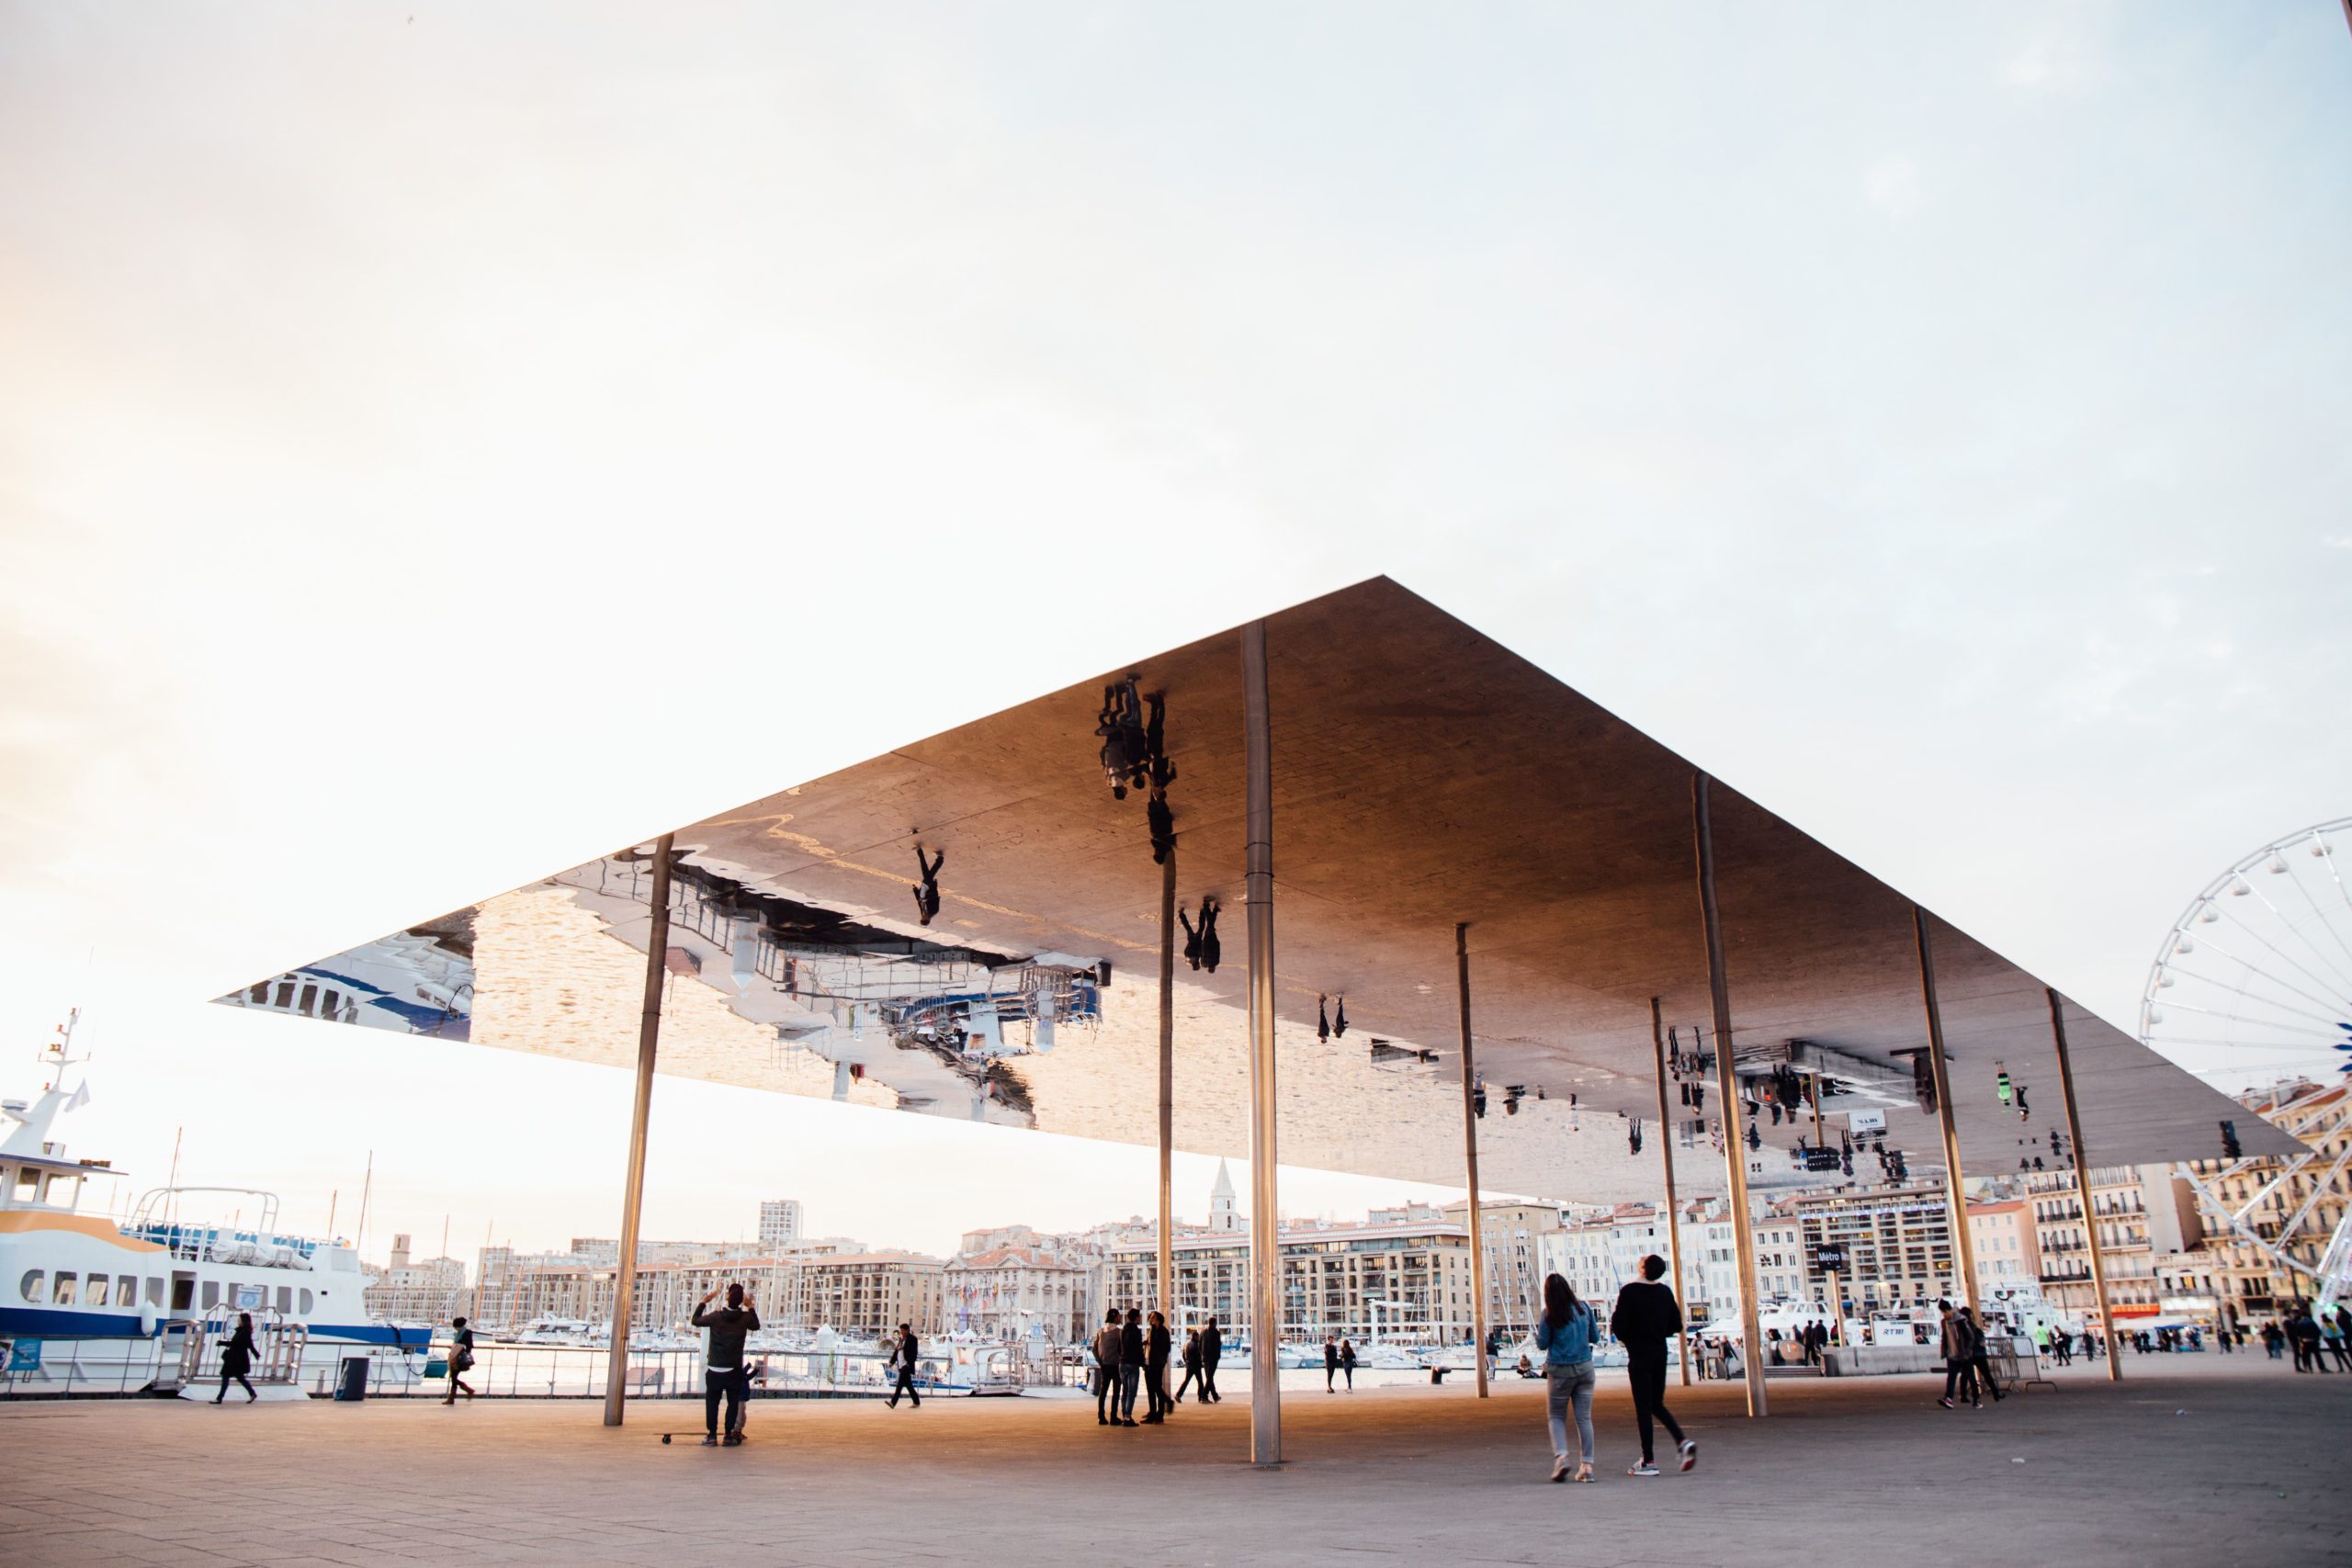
<point x="1348" y="1362"/>
<point x="1646" y="1317"/>
<point x="1565" y="1334"/>
<point x="1106" y="1370"/>
<point x="724" y="1374"/>
<point x="461" y="1359"/>
<point x="1155" y="1369"/>
<point x="2340" y="1342"/>
<point x="1979" y="1360"/>
<point x="1192" y="1365"/>
<point x="902" y="1361"/>
<point x="1960" y="1372"/>
<point x="237" y="1360"/>
<point x="1330" y="1363"/>
<point x="1212" y="1349"/>
<point x="1130" y="1365"/>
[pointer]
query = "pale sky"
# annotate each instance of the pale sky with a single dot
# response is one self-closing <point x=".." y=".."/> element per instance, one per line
<point x="442" y="443"/>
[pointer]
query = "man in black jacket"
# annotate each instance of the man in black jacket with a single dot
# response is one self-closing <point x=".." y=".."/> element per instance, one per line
<point x="1155" y="1368"/>
<point x="1645" y="1318"/>
<point x="1130" y="1365"/>
<point x="1211" y="1347"/>
<point x="903" y="1358"/>
<point x="725" y="1373"/>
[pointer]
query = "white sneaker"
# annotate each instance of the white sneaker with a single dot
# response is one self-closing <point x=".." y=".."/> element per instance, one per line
<point x="1689" y="1453"/>
<point x="1645" y="1468"/>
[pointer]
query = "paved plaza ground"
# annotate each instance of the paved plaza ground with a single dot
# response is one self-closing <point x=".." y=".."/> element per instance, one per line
<point x="2191" y="1460"/>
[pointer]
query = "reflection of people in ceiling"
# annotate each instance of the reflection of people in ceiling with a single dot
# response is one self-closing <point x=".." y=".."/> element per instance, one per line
<point x="1202" y="950"/>
<point x="1127" y="747"/>
<point x="1163" y="825"/>
<point x="927" y="895"/>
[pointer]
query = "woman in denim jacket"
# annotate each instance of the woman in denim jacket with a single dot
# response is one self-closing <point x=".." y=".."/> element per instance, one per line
<point x="1564" y="1335"/>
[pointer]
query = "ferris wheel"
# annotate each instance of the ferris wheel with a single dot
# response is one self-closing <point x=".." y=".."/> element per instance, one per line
<point x="2255" y="975"/>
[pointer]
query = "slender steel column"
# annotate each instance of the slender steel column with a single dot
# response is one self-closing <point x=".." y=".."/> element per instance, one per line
<point x="1955" y="1195"/>
<point x="1751" y="1358"/>
<point x="2083" y="1187"/>
<point x="1168" y="1091"/>
<point x="1470" y="1160"/>
<point x="1666" y="1158"/>
<point x="1265" y="1244"/>
<point x="648" y="1037"/>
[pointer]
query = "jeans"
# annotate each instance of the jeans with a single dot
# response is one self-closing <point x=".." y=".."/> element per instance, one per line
<point x="1572" y="1384"/>
<point x="736" y="1385"/>
<point x="1130" y="1374"/>
<point x="1647" y="1370"/>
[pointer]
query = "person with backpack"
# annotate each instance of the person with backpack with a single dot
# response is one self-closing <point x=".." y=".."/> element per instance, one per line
<point x="1192" y="1366"/>
<point x="1564" y="1335"/>
<point x="1647" y="1316"/>
<point x="904" y="1356"/>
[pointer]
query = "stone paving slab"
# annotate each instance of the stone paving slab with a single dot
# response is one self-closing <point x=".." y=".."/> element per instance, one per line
<point x="2192" y="1459"/>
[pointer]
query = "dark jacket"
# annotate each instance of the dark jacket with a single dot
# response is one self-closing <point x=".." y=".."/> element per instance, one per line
<point x="1131" y="1344"/>
<point x="910" y="1350"/>
<point x="1331" y="1354"/>
<point x="1193" y="1352"/>
<point x="728" y="1326"/>
<point x="1156" y="1353"/>
<point x="237" y="1355"/>
<point x="1645" y="1318"/>
<point x="1212" y="1346"/>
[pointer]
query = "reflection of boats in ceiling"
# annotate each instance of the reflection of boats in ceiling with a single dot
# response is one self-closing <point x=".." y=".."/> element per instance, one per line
<point x="419" y="981"/>
<point x="822" y="976"/>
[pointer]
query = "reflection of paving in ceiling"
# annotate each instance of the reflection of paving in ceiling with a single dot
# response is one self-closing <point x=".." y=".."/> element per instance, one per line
<point x="1423" y="775"/>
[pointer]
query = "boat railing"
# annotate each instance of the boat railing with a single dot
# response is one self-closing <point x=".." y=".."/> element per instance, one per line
<point x="508" y="1370"/>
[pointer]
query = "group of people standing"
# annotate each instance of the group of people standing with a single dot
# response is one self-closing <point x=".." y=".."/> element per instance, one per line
<point x="1131" y="1352"/>
<point x="1645" y="1318"/>
<point x="2314" y="1337"/>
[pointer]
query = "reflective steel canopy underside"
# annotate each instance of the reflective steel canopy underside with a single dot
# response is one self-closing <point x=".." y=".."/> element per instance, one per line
<point x="1423" y="775"/>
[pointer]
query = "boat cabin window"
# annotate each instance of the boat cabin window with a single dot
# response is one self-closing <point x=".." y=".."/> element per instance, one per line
<point x="66" y="1293"/>
<point x="284" y="1298"/>
<point x="155" y="1293"/>
<point x="27" y="1183"/>
<point x="61" y="1191"/>
<point x="259" y="994"/>
<point x="306" y="1304"/>
<point x="310" y="1000"/>
<point x="211" y="1294"/>
<point x="183" y="1294"/>
<point x="94" y="1294"/>
<point x="285" y="994"/>
<point x="126" y="1290"/>
<point x="34" y="1286"/>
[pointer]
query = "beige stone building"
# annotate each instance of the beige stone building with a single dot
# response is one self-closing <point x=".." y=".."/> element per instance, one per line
<point x="2253" y="1211"/>
<point x="1001" y="1292"/>
<point x="1400" y="1274"/>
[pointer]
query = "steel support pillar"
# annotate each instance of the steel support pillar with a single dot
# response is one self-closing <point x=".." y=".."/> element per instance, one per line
<point x="1470" y="1160"/>
<point x="1751" y="1356"/>
<point x="1666" y="1158"/>
<point x="1265" y="1245"/>
<point x="649" y="1038"/>
<point x="2083" y="1187"/>
<point x="1963" y="1246"/>
<point x="1168" y="1091"/>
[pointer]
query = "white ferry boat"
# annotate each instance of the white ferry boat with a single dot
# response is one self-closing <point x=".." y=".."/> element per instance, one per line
<point x="90" y="1305"/>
